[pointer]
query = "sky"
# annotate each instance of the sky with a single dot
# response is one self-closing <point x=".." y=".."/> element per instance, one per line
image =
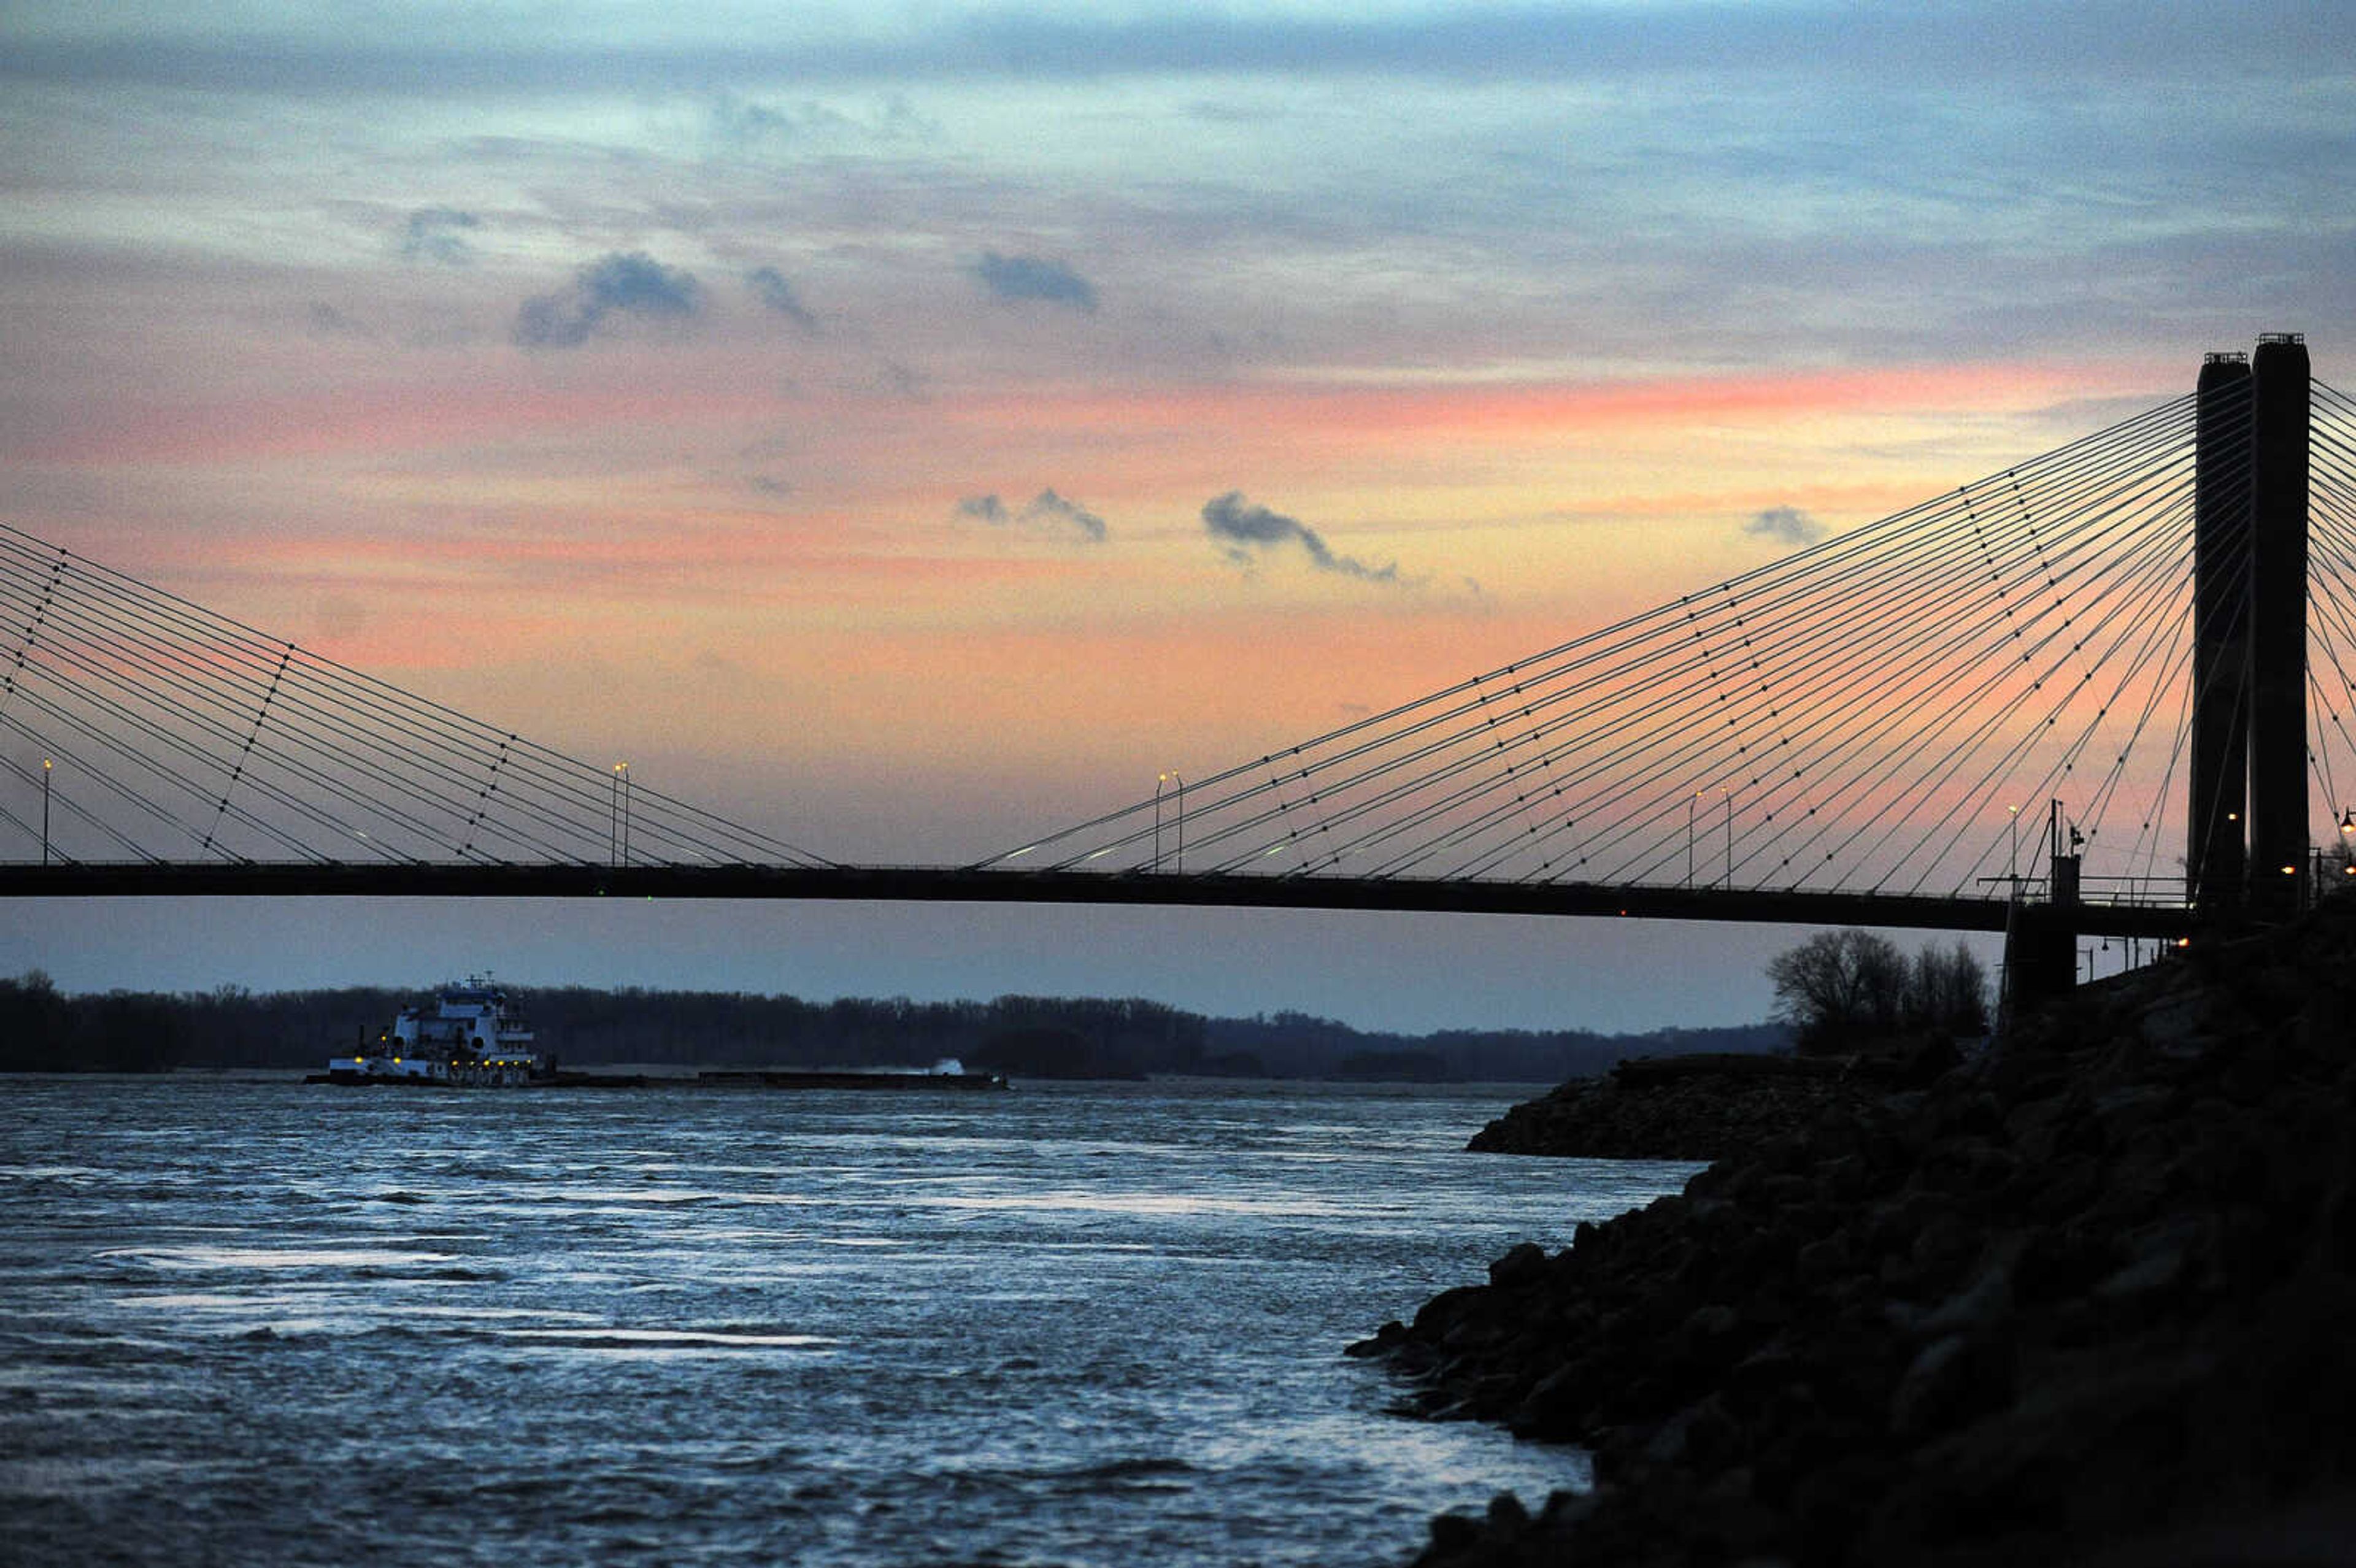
<point x="908" y="428"/>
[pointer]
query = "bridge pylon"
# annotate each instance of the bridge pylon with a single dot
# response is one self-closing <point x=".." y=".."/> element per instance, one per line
<point x="2247" y="849"/>
<point x="2280" y="391"/>
<point x="2219" y="809"/>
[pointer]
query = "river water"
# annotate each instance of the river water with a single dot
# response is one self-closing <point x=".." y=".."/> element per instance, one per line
<point x="247" y="1321"/>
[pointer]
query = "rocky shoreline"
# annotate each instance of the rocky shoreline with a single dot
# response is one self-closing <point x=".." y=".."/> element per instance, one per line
<point x="1703" y="1106"/>
<point x="2092" y="1288"/>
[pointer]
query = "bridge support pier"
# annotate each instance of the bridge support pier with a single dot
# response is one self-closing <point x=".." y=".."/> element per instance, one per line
<point x="2040" y="940"/>
<point x="2040" y="957"/>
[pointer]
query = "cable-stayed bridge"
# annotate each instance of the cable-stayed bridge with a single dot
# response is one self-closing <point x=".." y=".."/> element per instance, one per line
<point x="2105" y="690"/>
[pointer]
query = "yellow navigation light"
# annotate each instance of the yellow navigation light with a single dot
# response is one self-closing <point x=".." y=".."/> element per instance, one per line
<point x="2290" y="870"/>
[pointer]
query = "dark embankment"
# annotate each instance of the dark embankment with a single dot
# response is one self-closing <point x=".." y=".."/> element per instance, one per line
<point x="1708" y="1106"/>
<point x="2091" y="1294"/>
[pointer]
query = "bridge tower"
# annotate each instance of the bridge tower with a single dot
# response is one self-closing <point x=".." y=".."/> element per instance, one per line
<point x="2277" y="643"/>
<point x="2247" y="830"/>
<point x="2219" y="807"/>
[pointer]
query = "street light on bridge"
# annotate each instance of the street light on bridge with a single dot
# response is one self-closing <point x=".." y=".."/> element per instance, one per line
<point x="1179" y="862"/>
<point x="1729" y="794"/>
<point x="617" y="816"/>
<point x="1691" y="807"/>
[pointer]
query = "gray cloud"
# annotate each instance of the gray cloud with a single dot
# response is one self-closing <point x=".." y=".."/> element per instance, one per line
<point x="769" y="286"/>
<point x="327" y="321"/>
<point x="624" y="284"/>
<point x="1046" y="509"/>
<point x="1787" y="525"/>
<point x="434" y="236"/>
<point x="744" y="123"/>
<point x="1244" y="526"/>
<point x="1033" y="278"/>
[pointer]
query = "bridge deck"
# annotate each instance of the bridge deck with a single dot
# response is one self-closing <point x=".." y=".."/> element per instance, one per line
<point x="967" y="885"/>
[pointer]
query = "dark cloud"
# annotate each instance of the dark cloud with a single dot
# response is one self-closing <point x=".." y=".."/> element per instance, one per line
<point x="436" y="235"/>
<point x="769" y="286"/>
<point x="1787" y="525"/>
<point x="1046" y="509"/>
<point x="618" y="284"/>
<point x="1033" y="278"/>
<point x="1244" y="526"/>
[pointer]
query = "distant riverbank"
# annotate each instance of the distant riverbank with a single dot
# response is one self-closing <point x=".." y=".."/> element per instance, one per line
<point x="43" y="1030"/>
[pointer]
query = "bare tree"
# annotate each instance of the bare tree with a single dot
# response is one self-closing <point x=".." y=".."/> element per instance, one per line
<point x="1837" y="987"/>
<point x="1841" y="989"/>
<point x="1948" y="991"/>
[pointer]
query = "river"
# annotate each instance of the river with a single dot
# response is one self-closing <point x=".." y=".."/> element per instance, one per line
<point x="249" y="1321"/>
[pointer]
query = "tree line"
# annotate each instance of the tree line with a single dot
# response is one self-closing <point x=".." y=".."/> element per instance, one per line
<point x="44" y="1029"/>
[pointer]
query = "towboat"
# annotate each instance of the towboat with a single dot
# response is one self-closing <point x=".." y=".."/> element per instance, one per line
<point x="472" y="1034"/>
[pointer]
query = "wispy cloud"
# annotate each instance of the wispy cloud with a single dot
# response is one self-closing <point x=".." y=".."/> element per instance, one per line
<point x="1245" y="527"/>
<point x="769" y="286"/>
<point x="437" y="234"/>
<point x="749" y="125"/>
<point x="1046" y="510"/>
<point x="1027" y="278"/>
<point x="327" y="321"/>
<point x="617" y="284"/>
<point x="1787" y="525"/>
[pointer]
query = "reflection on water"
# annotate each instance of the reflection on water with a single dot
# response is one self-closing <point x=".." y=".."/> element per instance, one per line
<point x="250" y="1320"/>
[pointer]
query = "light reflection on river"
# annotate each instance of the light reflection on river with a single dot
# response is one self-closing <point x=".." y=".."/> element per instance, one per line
<point x="248" y="1320"/>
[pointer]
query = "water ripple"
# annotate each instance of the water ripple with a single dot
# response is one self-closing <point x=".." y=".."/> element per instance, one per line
<point x="241" y="1321"/>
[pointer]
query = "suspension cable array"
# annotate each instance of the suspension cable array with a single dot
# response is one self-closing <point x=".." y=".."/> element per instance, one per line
<point x="187" y="736"/>
<point x="2331" y="612"/>
<point x="1887" y="712"/>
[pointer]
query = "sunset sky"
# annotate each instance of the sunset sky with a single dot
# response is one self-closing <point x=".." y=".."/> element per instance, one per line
<point x="910" y="428"/>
